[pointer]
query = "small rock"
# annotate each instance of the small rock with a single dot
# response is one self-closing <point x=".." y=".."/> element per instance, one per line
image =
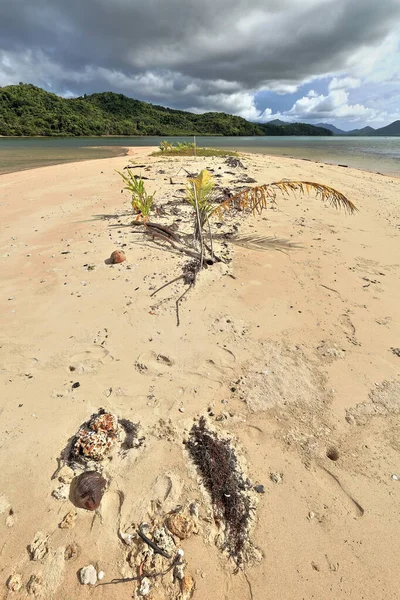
<point x="311" y="515"/>
<point x="10" y="520"/>
<point x="69" y="520"/>
<point x="395" y="477"/>
<point x="38" y="548"/>
<point x="396" y="351"/>
<point x="144" y="587"/>
<point x="260" y="489"/>
<point x="179" y="571"/>
<point x="76" y="385"/>
<point x="118" y="256"/>
<point x="100" y="575"/>
<point x="14" y="583"/>
<point x="276" y="477"/>
<point x="61" y="493"/>
<point x="88" y="575"/>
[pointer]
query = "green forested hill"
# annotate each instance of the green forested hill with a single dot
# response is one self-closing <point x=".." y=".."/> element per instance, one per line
<point x="29" y="110"/>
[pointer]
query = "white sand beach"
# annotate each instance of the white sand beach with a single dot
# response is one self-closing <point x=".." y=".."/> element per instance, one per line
<point x="287" y="348"/>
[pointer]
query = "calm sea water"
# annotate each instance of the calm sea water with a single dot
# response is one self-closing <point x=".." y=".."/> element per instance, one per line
<point x="378" y="154"/>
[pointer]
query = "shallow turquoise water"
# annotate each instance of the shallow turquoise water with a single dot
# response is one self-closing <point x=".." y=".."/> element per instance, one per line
<point x="379" y="154"/>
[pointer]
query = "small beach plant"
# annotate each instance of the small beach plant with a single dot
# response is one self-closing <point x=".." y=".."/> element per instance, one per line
<point x="166" y="146"/>
<point x="141" y="200"/>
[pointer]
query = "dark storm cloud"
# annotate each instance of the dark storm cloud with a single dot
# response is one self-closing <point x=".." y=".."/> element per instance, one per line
<point x="183" y="52"/>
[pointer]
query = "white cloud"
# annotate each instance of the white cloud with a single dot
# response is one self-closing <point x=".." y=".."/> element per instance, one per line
<point x="240" y="103"/>
<point x="344" y="83"/>
<point x="335" y="105"/>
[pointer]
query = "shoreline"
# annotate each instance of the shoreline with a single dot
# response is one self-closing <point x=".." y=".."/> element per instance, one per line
<point x="287" y="348"/>
<point x="128" y="150"/>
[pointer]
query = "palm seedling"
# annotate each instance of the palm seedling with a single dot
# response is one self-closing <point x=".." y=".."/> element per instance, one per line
<point x="141" y="200"/>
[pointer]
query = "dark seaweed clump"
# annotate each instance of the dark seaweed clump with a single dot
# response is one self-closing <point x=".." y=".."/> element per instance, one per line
<point x="218" y="465"/>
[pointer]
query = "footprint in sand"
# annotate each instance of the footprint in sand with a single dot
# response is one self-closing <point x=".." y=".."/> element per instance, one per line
<point x="217" y="368"/>
<point x="151" y="363"/>
<point x="89" y="360"/>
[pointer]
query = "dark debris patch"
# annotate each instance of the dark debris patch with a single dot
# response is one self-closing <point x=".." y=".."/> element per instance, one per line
<point x="218" y="465"/>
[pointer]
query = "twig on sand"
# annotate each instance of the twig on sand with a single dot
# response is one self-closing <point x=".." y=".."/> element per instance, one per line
<point x="167" y="284"/>
<point x="200" y="231"/>
<point x="330" y="289"/>
<point x="152" y="544"/>
<point x="179" y="299"/>
<point x="249" y="584"/>
<point x="176" y="561"/>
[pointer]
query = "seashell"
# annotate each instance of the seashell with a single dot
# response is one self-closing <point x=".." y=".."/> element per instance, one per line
<point x="180" y="525"/>
<point x="88" y="489"/>
<point x="127" y="538"/>
<point x="118" y="256"/>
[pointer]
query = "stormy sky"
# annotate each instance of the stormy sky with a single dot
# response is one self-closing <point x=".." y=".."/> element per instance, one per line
<point x="334" y="61"/>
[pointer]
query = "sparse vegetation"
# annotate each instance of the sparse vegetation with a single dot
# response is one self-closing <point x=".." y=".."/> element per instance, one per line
<point x="188" y="150"/>
<point x="141" y="200"/>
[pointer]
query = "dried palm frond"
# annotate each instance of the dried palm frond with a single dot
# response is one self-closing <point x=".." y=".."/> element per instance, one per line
<point x="257" y="198"/>
<point x="261" y="242"/>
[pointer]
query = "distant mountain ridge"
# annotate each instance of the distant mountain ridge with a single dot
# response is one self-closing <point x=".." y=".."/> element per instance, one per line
<point x="28" y="110"/>
<point x="332" y="128"/>
<point x="392" y="129"/>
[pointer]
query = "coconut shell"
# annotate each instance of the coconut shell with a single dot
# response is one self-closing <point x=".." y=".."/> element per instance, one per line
<point x="118" y="256"/>
<point x="88" y="489"/>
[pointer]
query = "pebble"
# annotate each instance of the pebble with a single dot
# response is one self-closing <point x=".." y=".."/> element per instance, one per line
<point x="179" y="572"/>
<point x="144" y="587"/>
<point x="395" y="477"/>
<point x="260" y="489"/>
<point x="100" y="575"/>
<point x="88" y="575"/>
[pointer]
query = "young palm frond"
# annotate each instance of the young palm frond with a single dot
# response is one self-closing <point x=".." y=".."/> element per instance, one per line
<point x="257" y="198"/>
<point x="141" y="200"/>
<point x="199" y="193"/>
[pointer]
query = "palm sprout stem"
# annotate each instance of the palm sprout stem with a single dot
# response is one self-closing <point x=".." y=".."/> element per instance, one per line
<point x="199" y="227"/>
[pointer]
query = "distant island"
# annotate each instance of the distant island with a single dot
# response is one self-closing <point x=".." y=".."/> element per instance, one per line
<point x="26" y="110"/>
